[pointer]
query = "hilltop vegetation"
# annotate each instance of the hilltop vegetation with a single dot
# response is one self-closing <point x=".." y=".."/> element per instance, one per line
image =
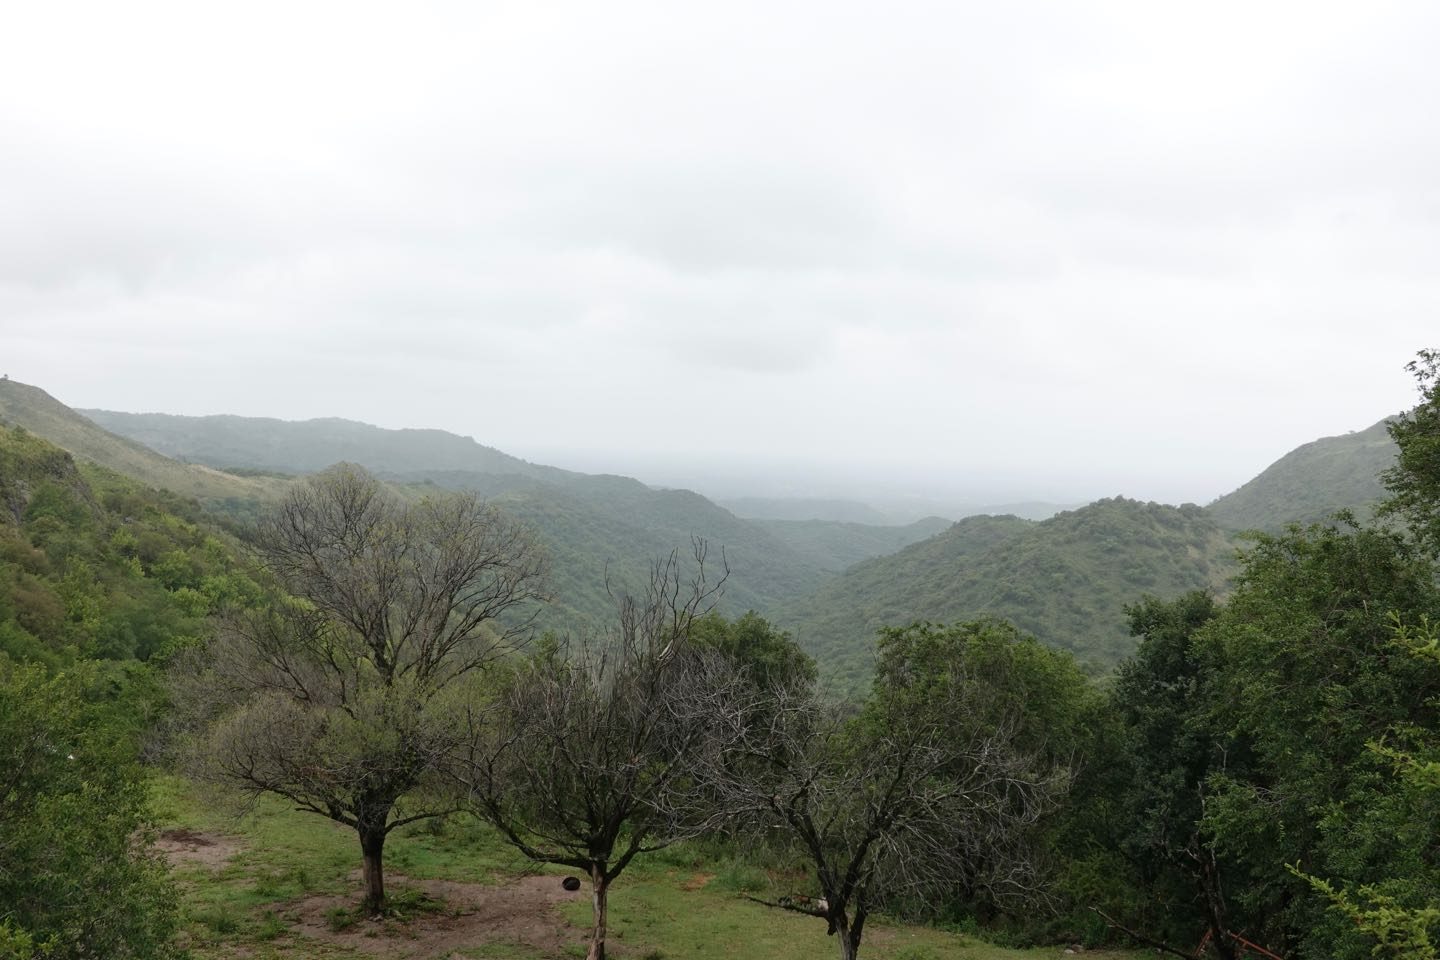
<point x="93" y="565"/>
<point x="1066" y="580"/>
<point x="30" y="407"/>
<point x="1312" y="482"/>
<point x="1063" y="580"/>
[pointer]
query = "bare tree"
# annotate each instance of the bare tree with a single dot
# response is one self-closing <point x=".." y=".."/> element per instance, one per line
<point x="587" y="759"/>
<point x="891" y="806"/>
<point x="345" y="696"/>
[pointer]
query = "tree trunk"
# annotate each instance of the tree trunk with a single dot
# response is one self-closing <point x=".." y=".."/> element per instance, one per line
<point x="372" y="851"/>
<point x="848" y="936"/>
<point x="600" y="886"/>
<point x="1215" y="907"/>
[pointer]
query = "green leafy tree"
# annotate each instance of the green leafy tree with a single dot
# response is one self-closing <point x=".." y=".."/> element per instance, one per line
<point x="1163" y="697"/>
<point x="771" y="655"/>
<point x="1303" y="676"/>
<point x="78" y="877"/>
<point x="589" y="756"/>
<point x="934" y="790"/>
<point x="346" y="697"/>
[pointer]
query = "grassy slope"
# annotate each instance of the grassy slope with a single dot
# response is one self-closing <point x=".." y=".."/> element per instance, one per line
<point x="1311" y="482"/>
<point x="675" y="904"/>
<point x="1066" y="580"/>
<point x="35" y="410"/>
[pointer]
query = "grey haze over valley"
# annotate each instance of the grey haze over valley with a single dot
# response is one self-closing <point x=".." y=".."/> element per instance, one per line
<point x="946" y="253"/>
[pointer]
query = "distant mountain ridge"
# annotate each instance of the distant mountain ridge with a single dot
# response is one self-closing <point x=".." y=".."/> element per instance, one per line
<point x="306" y="446"/>
<point x="1066" y="579"/>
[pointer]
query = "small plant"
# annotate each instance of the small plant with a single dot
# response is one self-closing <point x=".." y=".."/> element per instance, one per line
<point x="220" y="920"/>
<point x="340" y="919"/>
<point x="270" y="928"/>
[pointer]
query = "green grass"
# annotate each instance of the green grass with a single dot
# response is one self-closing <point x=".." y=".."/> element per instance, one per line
<point x="686" y="902"/>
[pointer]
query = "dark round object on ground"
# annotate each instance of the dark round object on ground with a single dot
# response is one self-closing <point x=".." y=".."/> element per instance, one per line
<point x="571" y="883"/>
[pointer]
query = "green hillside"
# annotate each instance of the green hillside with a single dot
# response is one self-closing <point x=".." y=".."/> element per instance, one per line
<point x="32" y="408"/>
<point x="1066" y="580"/>
<point x="306" y="446"/>
<point x="835" y="546"/>
<point x="594" y="526"/>
<point x="1311" y="482"/>
<point x="599" y="526"/>
<point x="94" y="565"/>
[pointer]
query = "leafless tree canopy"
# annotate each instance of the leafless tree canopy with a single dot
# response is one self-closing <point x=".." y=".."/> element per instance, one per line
<point x="589" y="757"/>
<point x="345" y="697"/>
<point x="891" y="806"/>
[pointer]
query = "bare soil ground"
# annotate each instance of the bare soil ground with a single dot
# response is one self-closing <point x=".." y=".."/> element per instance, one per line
<point x="187" y="848"/>
<point x="521" y="911"/>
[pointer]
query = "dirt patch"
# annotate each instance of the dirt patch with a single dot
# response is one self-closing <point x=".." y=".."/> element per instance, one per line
<point x="697" y="882"/>
<point x="185" y="848"/>
<point x="521" y="911"/>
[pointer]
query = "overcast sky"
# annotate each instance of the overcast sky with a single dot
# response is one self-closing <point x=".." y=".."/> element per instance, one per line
<point x="983" y="249"/>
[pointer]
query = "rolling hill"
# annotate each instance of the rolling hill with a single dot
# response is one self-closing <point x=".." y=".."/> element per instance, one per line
<point x="1066" y="580"/>
<point x="596" y="527"/>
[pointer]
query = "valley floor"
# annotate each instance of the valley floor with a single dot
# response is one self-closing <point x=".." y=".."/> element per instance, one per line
<point x="276" y="883"/>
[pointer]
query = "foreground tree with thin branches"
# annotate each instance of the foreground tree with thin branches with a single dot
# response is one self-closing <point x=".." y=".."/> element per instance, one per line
<point x="922" y="794"/>
<point x="587" y="758"/>
<point x="345" y="696"/>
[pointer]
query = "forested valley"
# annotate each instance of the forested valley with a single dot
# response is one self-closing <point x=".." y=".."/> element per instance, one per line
<point x="322" y="690"/>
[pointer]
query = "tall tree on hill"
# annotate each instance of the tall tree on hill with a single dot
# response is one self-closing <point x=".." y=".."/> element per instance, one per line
<point x="345" y="697"/>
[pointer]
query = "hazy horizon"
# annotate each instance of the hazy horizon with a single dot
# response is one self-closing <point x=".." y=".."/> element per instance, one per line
<point x="995" y="252"/>
<point x="911" y="497"/>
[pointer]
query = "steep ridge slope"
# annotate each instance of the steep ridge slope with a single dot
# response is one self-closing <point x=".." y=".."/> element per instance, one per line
<point x="1311" y="482"/>
<point x="35" y="410"/>
<point x="1066" y="580"/>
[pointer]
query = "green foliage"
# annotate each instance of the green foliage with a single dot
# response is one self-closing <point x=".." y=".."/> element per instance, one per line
<point x="1253" y="730"/>
<point x="41" y="414"/>
<point x="93" y="565"/>
<point x="1399" y="931"/>
<point x="770" y="654"/>
<point x="1064" y="580"/>
<point x="1393" y="912"/>
<point x="1312" y="482"/>
<point x="1414" y="481"/>
<point x="1054" y="715"/>
<point x="77" y="878"/>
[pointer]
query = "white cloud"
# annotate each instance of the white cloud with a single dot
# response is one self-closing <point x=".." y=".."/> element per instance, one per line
<point x="1025" y="245"/>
